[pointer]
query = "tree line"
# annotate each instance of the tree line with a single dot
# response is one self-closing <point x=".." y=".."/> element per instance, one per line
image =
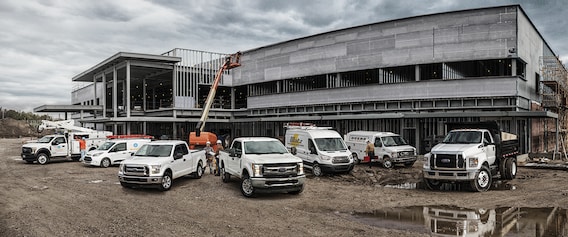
<point x="20" y="115"/>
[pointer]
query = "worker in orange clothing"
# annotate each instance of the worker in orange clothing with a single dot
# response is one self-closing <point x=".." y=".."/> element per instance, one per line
<point x="82" y="147"/>
<point x="370" y="150"/>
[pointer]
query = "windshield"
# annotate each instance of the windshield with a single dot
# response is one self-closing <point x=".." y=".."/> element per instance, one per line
<point x="105" y="146"/>
<point x="265" y="147"/>
<point x="463" y="137"/>
<point x="330" y="144"/>
<point x="394" y="141"/>
<point x="45" y="139"/>
<point x="154" y="150"/>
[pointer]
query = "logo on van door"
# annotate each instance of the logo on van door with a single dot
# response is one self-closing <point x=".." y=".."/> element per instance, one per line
<point x="295" y="140"/>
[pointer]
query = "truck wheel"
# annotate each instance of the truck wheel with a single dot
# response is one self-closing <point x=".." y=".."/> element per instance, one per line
<point x="387" y="163"/>
<point x="433" y="184"/>
<point x="199" y="172"/>
<point x="225" y="177"/>
<point x="105" y="163"/>
<point x="42" y="159"/>
<point x="297" y="191"/>
<point x="356" y="159"/>
<point x="482" y="181"/>
<point x="166" y="181"/>
<point x="510" y="170"/>
<point x="316" y="170"/>
<point x="246" y="186"/>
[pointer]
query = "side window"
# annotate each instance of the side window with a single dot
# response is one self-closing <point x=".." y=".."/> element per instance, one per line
<point x="59" y="140"/>
<point x="237" y="147"/>
<point x="486" y="138"/>
<point x="311" y="147"/>
<point x="120" y="147"/>
<point x="181" y="149"/>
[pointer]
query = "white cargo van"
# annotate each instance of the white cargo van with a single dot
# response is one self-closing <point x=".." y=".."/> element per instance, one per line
<point x="321" y="149"/>
<point x="390" y="148"/>
<point x="113" y="152"/>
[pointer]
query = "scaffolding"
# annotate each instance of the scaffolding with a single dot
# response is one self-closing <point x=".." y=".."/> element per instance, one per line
<point x="553" y="89"/>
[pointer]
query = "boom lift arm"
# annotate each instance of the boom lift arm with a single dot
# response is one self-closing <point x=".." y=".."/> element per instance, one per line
<point x="231" y="61"/>
<point x="65" y="124"/>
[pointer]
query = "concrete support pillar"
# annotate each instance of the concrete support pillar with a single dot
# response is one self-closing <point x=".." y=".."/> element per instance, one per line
<point x="103" y="100"/>
<point x="417" y="72"/>
<point x="114" y="94"/>
<point x="127" y="90"/>
<point x="144" y="95"/>
<point x="514" y="67"/>
<point x="174" y="130"/>
<point x="381" y="77"/>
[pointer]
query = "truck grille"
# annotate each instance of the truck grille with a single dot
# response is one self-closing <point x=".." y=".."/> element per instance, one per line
<point x="136" y="170"/>
<point x="450" y="161"/>
<point x="340" y="160"/>
<point x="407" y="153"/>
<point x="280" y="170"/>
<point x="26" y="150"/>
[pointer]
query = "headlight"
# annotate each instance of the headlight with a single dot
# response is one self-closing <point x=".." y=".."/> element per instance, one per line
<point x="121" y="168"/>
<point x="473" y="162"/>
<point x="34" y="149"/>
<point x="300" y="168"/>
<point x="256" y="170"/>
<point x="326" y="157"/>
<point x="394" y="154"/>
<point x="155" y="169"/>
<point x="96" y="154"/>
<point x="426" y="157"/>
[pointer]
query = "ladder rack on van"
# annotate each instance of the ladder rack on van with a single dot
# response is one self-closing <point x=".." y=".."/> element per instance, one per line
<point x="302" y="125"/>
<point x="130" y="136"/>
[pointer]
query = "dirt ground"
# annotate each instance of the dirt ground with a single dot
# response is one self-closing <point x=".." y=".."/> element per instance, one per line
<point x="69" y="199"/>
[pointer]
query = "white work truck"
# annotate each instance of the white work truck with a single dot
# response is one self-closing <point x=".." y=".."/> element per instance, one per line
<point x="472" y="153"/>
<point x="158" y="163"/>
<point x="61" y="147"/>
<point x="263" y="165"/>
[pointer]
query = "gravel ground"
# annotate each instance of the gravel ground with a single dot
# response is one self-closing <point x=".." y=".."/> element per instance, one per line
<point x="70" y="199"/>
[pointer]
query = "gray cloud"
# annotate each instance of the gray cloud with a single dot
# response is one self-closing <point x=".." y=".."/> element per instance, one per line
<point x="45" y="43"/>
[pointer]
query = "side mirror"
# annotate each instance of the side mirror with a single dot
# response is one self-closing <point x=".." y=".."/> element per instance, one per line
<point x="293" y="150"/>
<point x="178" y="156"/>
<point x="349" y="147"/>
<point x="132" y="154"/>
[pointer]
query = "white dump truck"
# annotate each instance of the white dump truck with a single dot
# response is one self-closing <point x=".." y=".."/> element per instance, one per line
<point x="262" y="165"/>
<point x="473" y="153"/>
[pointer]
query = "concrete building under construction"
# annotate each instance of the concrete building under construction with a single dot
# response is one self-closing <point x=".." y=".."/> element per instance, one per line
<point x="409" y="76"/>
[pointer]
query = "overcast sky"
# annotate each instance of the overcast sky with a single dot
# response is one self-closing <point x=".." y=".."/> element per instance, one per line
<point x="44" y="43"/>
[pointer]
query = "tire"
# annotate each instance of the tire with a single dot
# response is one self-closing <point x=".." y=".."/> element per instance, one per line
<point x="482" y="181"/>
<point x="246" y="186"/>
<point x="225" y="177"/>
<point x="105" y="162"/>
<point x="166" y="182"/>
<point x="199" y="171"/>
<point x="387" y="163"/>
<point x="316" y="170"/>
<point x="433" y="184"/>
<point x="42" y="159"/>
<point x="297" y="191"/>
<point x="356" y="159"/>
<point x="408" y="165"/>
<point x="510" y="168"/>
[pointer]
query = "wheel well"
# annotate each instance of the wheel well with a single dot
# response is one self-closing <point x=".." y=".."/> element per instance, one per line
<point x="45" y="151"/>
<point x="245" y="173"/>
<point x="168" y="170"/>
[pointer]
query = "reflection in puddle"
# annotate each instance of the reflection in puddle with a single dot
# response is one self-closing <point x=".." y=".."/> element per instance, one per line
<point x="457" y="221"/>
<point x="498" y="185"/>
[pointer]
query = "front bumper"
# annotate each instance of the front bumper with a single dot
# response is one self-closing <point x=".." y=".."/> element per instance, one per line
<point x="450" y="175"/>
<point x="29" y="157"/>
<point x="90" y="160"/>
<point x="336" y="168"/>
<point x="405" y="160"/>
<point x="141" y="180"/>
<point x="278" y="184"/>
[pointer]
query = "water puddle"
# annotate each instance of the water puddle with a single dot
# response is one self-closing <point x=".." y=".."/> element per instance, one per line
<point x="457" y="221"/>
<point x="497" y="185"/>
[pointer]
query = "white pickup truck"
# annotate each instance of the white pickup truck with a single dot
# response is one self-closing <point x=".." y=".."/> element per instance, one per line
<point x="158" y="163"/>
<point x="263" y="165"/>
